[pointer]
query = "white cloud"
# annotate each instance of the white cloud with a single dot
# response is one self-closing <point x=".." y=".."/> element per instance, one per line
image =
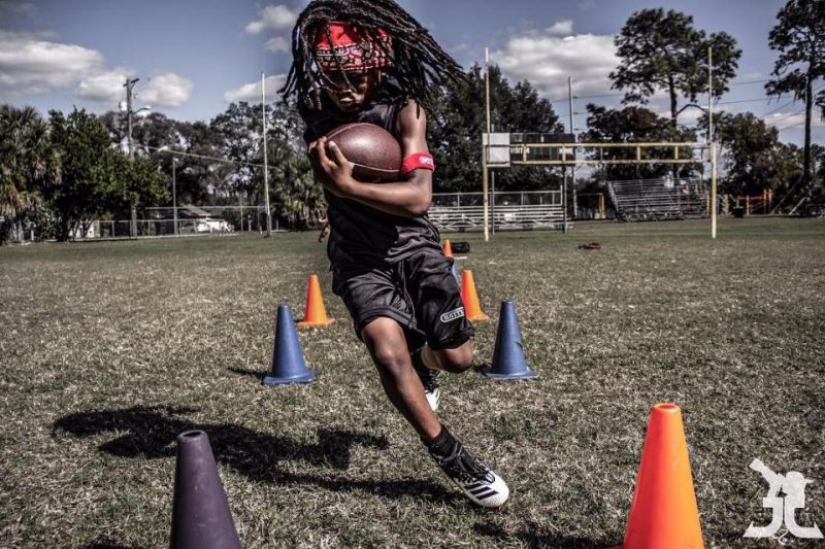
<point x="31" y="63"/>
<point x="251" y="93"/>
<point x="547" y="61"/>
<point x="104" y="87"/>
<point x="563" y="28"/>
<point x="748" y="75"/>
<point x="167" y="89"/>
<point x="273" y="17"/>
<point x="788" y="120"/>
<point x="278" y="44"/>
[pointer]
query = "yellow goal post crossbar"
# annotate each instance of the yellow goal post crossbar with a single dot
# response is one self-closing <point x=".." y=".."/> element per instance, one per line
<point x="498" y="151"/>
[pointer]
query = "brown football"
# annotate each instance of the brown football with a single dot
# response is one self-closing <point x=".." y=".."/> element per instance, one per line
<point x="374" y="153"/>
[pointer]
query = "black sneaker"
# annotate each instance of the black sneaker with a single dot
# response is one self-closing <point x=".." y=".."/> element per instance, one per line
<point x="429" y="379"/>
<point x="475" y="479"/>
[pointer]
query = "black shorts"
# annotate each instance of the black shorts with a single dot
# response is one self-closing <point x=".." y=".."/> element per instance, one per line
<point x="420" y="293"/>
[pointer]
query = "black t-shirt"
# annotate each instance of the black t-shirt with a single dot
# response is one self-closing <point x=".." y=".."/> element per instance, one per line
<point x="359" y="233"/>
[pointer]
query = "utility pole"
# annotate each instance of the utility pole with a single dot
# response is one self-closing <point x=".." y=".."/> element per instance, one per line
<point x="175" y="195"/>
<point x="712" y="151"/>
<point x="266" y="165"/>
<point x="485" y="199"/>
<point x="573" y="169"/>
<point x="130" y="83"/>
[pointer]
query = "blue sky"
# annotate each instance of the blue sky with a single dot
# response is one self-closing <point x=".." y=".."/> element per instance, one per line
<point x="194" y="57"/>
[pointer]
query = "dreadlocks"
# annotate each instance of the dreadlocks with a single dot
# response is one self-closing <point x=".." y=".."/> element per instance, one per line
<point x="417" y="60"/>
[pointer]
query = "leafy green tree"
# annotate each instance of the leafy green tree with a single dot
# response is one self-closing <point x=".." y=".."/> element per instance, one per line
<point x="294" y="196"/>
<point x="663" y="51"/>
<point x="458" y="119"/>
<point x="26" y="166"/>
<point x="201" y="178"/>
<point x="635" y="125"/>
<point x="95" y="180"/>
<point x="298" y="200"/>
<point x="754" y="158"/>
<point x="799" y="37"/>
<point x="240" y="129"/>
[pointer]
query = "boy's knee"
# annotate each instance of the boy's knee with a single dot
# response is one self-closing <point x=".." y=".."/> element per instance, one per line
<point x="456" y="360"/>
<point x="388" y="357"/>
<point x="387" y="348"/>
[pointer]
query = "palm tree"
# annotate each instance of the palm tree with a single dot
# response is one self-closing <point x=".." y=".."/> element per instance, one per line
<point x="25" y="163"/>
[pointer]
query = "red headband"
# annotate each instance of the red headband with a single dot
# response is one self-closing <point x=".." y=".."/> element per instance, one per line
<point x="352" y="48"/>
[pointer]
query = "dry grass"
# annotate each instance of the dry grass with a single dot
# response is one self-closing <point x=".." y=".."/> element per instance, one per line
<point x="110" y="350"/>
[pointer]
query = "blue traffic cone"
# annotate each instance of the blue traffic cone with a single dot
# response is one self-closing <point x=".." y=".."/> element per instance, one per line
<point x="508" y="355"/>
<point x="201" y="518"/>
<point x="288" y="364"/>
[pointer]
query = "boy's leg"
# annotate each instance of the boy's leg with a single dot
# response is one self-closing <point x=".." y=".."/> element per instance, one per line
<point x="429" y="363"/>
<point x="387" y="345"/>
<point x="439" y="313"/>
<point x="382" y="316"/>
<point x="456" y="361"/>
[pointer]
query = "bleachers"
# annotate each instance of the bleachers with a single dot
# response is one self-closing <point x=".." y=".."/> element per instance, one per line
<point x="658" y="199"/>
<point x="508" y="211"/>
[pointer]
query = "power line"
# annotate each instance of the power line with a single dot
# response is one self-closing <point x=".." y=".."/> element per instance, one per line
<point x="743" y="101"/>
<point x="204" y="157"/>
<point x="747" y="82"/>
<point x="780" y="107"/>
<point x="794" y="100"/>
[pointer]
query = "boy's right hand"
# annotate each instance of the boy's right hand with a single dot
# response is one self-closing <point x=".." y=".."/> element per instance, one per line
<point x="332" y="170"/>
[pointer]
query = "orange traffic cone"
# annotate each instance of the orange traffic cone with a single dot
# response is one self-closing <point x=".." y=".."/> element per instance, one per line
<point x="316" y="314"/>
<point x="472" y="308"/>
<point x="664" y="513"/>
<point x="448" y="249"/>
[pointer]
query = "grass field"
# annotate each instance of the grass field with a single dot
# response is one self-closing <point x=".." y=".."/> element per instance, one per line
<point x="109" y="350"/>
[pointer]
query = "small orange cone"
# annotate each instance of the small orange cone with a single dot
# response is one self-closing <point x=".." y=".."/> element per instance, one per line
<point x="664" y="513"/>
<point x="472" y="308"/>
<point x="448" y="249"/>
<point x="316" y="314"/>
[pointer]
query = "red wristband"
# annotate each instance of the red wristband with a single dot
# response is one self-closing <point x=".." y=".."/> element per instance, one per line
<point x="417" y="161"/>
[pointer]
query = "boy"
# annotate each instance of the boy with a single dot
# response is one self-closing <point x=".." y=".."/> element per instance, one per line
<point x="371" y="61"/>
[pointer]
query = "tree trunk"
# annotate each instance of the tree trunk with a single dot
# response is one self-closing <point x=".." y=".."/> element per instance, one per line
<point x="809" y="103"/>
<point x="673" y="99"/>
<point x="673" y="122"/>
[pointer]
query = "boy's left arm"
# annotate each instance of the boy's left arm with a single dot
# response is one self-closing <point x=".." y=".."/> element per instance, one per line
<point x="409" y="197"/>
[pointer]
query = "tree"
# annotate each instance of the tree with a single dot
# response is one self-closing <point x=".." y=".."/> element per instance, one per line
<point x="26" y="166"/>
<point x="240" y="128"/>
<point x="662" y="51"/>
<point x="458" y="118"/>
<point x="298" y="199"/>
<point x="201" y="179"/>
<point x="634" y="125"/>
<point x="799" y="37"/>
<point x="755" y="159"/>
<point x="95" y="180"/>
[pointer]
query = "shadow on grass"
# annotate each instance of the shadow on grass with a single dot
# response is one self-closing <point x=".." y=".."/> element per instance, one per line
<point x="105" y="543"/>
<point x="532" y="539"/>
<point x="250" y="373"/>
<point x="151" y="432"/>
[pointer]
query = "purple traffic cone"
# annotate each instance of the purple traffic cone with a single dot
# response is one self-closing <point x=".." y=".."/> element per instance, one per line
<point x="288" y="365"/>
<point x="201" y="518"/>
<point x="508" y="356"/>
